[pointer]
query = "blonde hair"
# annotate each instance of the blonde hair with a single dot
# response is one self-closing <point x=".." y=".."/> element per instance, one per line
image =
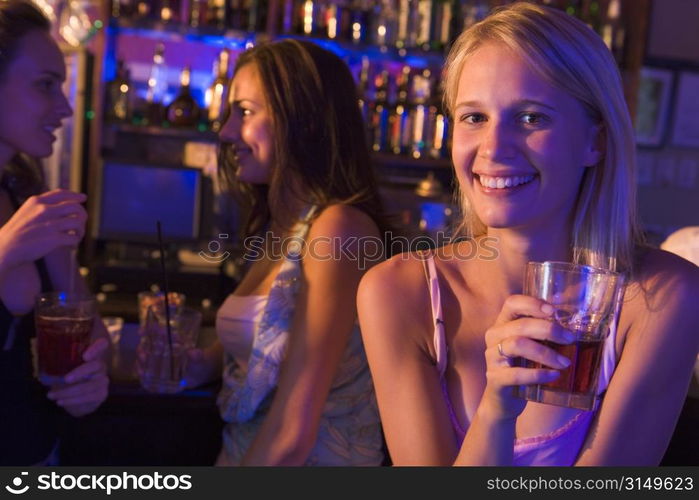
<point x="570" y="56"/>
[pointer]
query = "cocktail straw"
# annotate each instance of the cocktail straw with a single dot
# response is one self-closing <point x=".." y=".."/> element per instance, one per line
<point x="71" y="270"/>
<point x="167" y="301"/>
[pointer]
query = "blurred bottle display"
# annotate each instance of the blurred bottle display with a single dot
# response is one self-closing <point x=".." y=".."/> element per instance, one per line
<point x="379" y="112"/>
<point x="216" y="14"/>
<point x="398" y="93"/>
<point x="217" y="91"/>
<point x="119" y="92"/>
<point x="398" y="122"/>
<point x="183" y="111"/>
<point x="157" y="86"/>
<point x="422" y="25"/>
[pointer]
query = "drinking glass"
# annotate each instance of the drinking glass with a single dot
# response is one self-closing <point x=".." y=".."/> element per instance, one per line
<point x="586" y="301"/>
<point x="63" y="322"/>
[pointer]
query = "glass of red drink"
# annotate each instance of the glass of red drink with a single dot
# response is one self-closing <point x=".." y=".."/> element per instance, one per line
<point x="586" y="301"/>
<point x="63" y="323"/>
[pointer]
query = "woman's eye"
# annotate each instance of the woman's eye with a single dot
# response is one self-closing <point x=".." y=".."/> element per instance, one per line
<point x="532" y="118"/>
<point x="245" y="112"/>
<point x="473" y="118"/>
<point x="45" y="84"/>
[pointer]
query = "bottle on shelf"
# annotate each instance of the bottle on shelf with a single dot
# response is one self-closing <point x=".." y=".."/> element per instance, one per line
<point x="168" y="12"/>
<point x="361" y="15"/>
<point x="183" y="111"/>
<point x="439" y="127"/>
<point x="198" y="13"/>
<point x="257" y="16"/>
<point x="216" y="14"/>
<point x="217" y="91"/>
<point x="424" y="34"/>
<point x="442" y="21"/>
<point x="380" y="112"/>
<point x="363" y="88"/>
<point x="339" y="21"/>
<point x="398" y="120"/>
<point x="385" y="24"/>
<point x="419" y="114"/>
<point x="157" y="86"/>
<point x="613" y="32"/>
<point x="238" y="14"/>
<point x="143" y="9"/>
<point x="119" y="92"/>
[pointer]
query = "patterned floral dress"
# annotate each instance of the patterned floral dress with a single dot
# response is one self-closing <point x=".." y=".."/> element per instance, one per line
<point x="350" y="431"/>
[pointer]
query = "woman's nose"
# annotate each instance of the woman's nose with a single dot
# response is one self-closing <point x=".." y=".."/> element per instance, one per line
<point x="497" y="142"/>
<point x="64" y="108"/>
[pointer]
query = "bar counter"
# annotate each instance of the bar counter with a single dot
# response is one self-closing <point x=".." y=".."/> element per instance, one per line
<point x="136" y="427"/>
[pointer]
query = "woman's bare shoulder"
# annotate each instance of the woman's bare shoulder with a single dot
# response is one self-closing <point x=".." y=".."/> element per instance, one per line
<point x="394" y="302"/>
<point x="658" y="270"/>
<point x="340" y="220"/>
<point x="663" y="286"/>
<point x="403" y="274"/>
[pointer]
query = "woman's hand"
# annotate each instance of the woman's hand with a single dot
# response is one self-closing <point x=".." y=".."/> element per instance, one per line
<point x="86" y="387"/>
<point x="43" y="223"/>
<point x="523" y="322"/>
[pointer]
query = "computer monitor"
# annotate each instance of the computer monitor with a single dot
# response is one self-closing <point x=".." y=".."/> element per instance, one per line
<point x="136" y="196"/>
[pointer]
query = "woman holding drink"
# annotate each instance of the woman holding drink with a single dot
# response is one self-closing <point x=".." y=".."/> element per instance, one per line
<point x="543" y="150"/>
<point x="38" y="233"/>
<point x="296" y="386"/>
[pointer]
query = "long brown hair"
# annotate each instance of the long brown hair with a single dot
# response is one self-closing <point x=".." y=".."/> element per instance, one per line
<point x="22" y="176"/>
<point x="321" y="154"/>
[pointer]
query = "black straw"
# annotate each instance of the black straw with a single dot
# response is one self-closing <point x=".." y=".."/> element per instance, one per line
<point x="167" y="301"/>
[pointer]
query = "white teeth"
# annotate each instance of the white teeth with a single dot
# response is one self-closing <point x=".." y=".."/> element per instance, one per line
<point x="504" y="182"/>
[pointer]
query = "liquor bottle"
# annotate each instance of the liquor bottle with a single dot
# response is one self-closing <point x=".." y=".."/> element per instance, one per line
<point x="419" y="133"/>
<point x="157" y="86"/>
<point x="442" y="19"/>
<point x="257" y="16"/>
<point x="183" y="111"/>
<point x="198" y="14"/>
<point x="167" y="13"/>
<point x="403" y="16"/>
<point x="216" y="14"/>
<point x="143" y="9"/>
<point x="217" y="91"/>
<point x="424" y="27"/>
<point x="334" y="28"/>
<point x="361" y="14"/>
<point x="115" y="10"/>
<point x="439" y="128"/>
<point x="363" y="88"/>
<point x="385" y="23"/>
<point x="398" y="130"/>
<point x="380" y="112"/>
<point x="119" y="92"/>
<point x="237" y="14"/>
<point x="613" y="32"/>
<point x="573" y="8"/>
<point x="593" y="16"/>
<point x="287" y="17"/>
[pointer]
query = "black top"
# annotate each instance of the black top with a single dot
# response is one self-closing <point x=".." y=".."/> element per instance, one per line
<point x="28" y="419"/>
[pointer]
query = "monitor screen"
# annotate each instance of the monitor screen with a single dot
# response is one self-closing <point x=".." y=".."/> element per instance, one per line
<point x="135" y="197"/>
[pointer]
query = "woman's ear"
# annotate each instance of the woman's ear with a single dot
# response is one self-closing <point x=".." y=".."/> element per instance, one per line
<point x="596" y="145"/>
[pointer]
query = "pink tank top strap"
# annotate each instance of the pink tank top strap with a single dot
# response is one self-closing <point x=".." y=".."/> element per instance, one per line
<point x="439" y="340"/>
